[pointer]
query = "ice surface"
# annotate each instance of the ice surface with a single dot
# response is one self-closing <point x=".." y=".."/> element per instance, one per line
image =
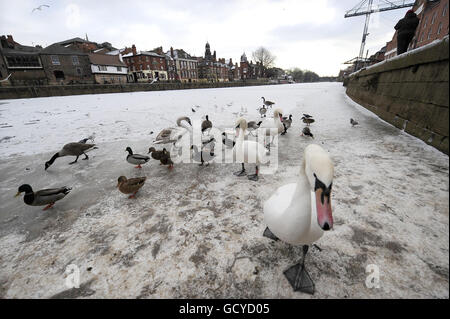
<point x="197" y="231"/>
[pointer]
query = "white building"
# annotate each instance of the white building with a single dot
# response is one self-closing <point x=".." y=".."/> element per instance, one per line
<point x="108" y="68"/>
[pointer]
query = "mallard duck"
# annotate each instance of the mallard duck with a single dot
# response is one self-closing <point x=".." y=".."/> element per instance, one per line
<point x="263" y="111"/>
<point x="307" y="120"/>
<point x="306" y="131"/>
<point x="154" y="153"/>
<point x="165" y="159"/>
<point x="71" y="149"/>
<point x="206" y="124"/>
<point x="130" y="186"/>
<point x="43" y="197"/>
<point x="136" y="159"/>
<point x="174" y="134"/>
<point x="267" y="103"/>
<point x="353" y="122"/>
<point x="286" y="123"/>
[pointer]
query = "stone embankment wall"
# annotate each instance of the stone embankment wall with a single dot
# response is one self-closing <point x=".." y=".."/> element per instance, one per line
<point x="410" y="91"/>
<point x="20" y="92"/>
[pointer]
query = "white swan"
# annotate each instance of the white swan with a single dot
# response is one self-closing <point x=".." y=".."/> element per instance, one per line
<point x="247" y="151"/>
<point x="293" y="217"/>
<point x="174" y="134"/>
<point x="269" y="124"/>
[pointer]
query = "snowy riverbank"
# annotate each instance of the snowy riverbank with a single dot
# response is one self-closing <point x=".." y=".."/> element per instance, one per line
<point x="197" y="232"/>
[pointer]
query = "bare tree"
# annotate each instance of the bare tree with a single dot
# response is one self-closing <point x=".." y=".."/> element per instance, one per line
<point x="264" y="56"/>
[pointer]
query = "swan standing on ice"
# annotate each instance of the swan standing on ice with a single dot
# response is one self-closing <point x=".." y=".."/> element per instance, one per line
<point x="247" y="151"/>
<point x="174" y="134"/>
<point x="293" y="217"/>
<point x="275" y="123"/>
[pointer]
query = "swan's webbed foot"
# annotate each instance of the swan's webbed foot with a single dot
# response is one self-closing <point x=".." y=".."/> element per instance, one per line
<point x="267" y="233"/>
<point x="299" y="279"/>
<point x="240" y="173"/>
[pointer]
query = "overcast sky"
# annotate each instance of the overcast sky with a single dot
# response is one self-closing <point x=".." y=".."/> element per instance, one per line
<point x="309" y="34"/>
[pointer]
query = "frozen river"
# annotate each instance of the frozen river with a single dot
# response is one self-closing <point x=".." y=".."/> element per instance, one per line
<point x="197" y="231"/>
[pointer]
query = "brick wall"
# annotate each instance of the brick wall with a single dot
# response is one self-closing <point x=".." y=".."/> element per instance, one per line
<point x="410" y="92"/>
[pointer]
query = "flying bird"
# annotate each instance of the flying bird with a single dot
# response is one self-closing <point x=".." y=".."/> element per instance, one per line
<point x="40" y="7"/>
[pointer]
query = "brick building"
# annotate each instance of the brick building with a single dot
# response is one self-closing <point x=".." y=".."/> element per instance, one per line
<point x="22" y="63"/>
<point x="146" y="66"/>
<point x="186" y="66"/>
<point x="212" y="69"/>
<point x="433" y="25"/>
<point x="66" y="66"/>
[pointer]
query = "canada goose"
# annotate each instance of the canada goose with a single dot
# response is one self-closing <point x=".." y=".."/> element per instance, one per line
<point x="155" y="154"/>
<point x="174" y="134"/>
<point x="307" y="120"/>
<point x="71" y="149"/>
<point x="136" y="159"/>
<point x="252" y="126"/>
<point x="130" y="186"/>
<point x="247" y="151"/>
<point x="165" y="159"/>
<point x="226" y="141"/>
<point x="267" y="103"/>
<point x="43" y="197"/>
<point x="306" y="131"/>
<point x="291" y="215"/>
<point x="353" y="122"/>
<point x="206" y="124"/>
<point x="307" y="116"/>
<point x="286" y="123"/>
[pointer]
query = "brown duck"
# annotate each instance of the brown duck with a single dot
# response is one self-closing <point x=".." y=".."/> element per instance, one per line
<point x="130" y="186"/>
<point x="155" y="154"/>
<point x="165" y="159"/>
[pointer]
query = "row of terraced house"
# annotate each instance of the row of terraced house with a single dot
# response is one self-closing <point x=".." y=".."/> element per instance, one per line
<point x="80" y="61"/>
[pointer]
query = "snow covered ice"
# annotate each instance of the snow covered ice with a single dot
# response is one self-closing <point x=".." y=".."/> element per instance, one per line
<point x="197" y="231"/>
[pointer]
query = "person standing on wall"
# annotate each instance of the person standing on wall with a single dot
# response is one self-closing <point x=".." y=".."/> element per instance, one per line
<point x="406" y="28"/>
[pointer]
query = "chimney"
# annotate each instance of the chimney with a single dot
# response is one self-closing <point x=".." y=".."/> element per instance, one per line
<point x="133" y="48"/>
<point x="214" y="55"/>
<point x="171" y="52"/>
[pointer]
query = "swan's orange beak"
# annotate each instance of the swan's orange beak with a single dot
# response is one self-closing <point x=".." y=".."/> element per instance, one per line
<point x="323" y="206"/>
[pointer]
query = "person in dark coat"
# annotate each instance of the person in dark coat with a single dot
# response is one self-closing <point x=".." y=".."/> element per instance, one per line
<point x="406" y="28"/>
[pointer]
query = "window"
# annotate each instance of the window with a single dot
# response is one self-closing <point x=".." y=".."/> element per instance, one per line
<point x="22" y="61"/>
<point x="434" y="18"/>
<point x="444" y="11"/>
<point x="78" y="71"/>
<point x="75" y="60"/>
<point x="119" y="69"/>
<point x="102" y="68"/>
<point x="439" y="28"/>
<point x="146" y="58"/>
<point x="55" y="59"/>
<point x="429" y="34"/>
<point x="425" y="23"/>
